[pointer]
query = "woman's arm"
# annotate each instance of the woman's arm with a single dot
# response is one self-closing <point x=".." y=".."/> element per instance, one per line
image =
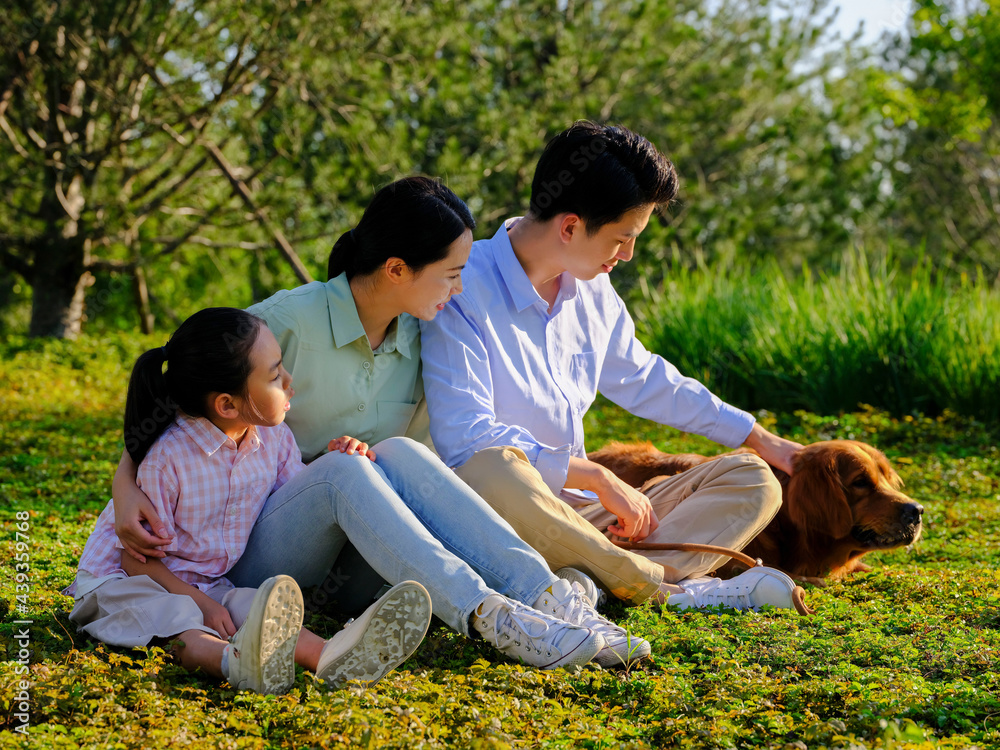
<point x="131" y="507"/>
<point x="214" y="614"/>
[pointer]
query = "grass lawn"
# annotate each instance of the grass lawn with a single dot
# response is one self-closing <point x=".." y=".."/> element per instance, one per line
<point x="905" y="656"/>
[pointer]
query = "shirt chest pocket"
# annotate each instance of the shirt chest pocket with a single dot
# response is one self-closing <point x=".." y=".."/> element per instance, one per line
<point x="393" y="418"/>
<point x="584" y="375"/>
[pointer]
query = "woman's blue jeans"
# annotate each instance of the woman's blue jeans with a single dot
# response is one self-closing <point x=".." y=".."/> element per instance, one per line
<point x="408" y="515"/>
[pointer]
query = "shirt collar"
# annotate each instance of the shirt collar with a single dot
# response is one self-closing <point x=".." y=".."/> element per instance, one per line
<point x="210" y="438"/>
<point x="516" y="280"/>
<point x="346" y="325"/>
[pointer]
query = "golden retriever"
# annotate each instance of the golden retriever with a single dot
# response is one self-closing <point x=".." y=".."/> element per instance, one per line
<point x="842" y="501"/>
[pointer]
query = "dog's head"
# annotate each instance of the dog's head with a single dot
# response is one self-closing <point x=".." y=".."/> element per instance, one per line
<point x="848" y="490"/>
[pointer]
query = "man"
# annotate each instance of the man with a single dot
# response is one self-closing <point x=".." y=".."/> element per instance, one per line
<point x="513" y="363"/>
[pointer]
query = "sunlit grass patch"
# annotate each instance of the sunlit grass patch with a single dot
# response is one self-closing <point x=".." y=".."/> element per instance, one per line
<point x="905" y="656"/>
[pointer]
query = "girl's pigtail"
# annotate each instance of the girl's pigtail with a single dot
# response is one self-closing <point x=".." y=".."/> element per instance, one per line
<point x="149" y="410"/>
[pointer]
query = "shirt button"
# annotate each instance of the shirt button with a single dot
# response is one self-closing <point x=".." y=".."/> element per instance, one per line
<point x="366" y="364"/>
<point x="361" y="407"/>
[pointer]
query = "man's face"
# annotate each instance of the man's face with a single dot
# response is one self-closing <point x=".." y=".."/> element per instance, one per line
<point x="587" y="256"/>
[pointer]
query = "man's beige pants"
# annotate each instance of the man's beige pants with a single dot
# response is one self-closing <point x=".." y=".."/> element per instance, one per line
<point x="725" y="502"/>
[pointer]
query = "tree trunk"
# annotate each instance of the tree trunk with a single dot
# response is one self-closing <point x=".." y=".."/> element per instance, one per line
<point x="146" y="319"/>
<point x="59" y="282"/>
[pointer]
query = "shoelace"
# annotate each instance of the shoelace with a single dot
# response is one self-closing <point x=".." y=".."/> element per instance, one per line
<point x="576" y="611"/>
<point x="510" y="620"/>
<point x="707" y="596"/>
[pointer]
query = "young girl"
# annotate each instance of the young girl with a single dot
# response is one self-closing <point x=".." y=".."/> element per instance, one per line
<point x="209" y="438"/>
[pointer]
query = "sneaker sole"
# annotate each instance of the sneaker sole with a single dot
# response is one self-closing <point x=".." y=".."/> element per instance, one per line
<point x="279" y="610"/>
<point x="612" y="655"/>
<point x="396" y="626"/>
<point x="582" y="654"/>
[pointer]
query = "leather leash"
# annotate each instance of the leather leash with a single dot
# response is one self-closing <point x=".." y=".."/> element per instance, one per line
<point x="798" y="593"/>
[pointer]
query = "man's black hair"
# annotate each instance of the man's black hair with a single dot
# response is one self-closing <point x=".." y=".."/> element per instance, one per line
<point x="600" y="173"/>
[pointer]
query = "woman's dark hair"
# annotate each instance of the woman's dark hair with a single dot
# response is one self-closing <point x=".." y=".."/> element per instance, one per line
<point x="209" y="353"/>
<point x="600" y="173"/>
<point x="414" y="219"/>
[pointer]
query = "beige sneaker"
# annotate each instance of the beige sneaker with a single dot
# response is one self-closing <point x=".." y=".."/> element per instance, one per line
<point x="566" y="601"/>
<point x="262" y="651"/>
<point x="527" y="635"/>
<point x="378" y="641"/>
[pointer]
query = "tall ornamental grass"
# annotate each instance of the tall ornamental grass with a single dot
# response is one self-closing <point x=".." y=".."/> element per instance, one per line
<point x="867" y="333"/>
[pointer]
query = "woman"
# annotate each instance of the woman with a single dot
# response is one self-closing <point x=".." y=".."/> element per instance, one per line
<point x="352" y="345"/>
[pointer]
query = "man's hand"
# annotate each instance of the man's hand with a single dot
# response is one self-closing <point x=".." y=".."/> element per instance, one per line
<point x="636" y="519"/>
<point x="777" y="451"/>
<point x="215" y="615"/>
<point x="347" y="444"/>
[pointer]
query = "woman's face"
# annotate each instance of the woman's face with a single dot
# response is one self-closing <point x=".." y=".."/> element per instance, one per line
<point x="430" y="288"/>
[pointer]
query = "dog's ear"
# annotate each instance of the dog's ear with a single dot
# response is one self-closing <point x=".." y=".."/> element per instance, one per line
<point x="815" y="500"/>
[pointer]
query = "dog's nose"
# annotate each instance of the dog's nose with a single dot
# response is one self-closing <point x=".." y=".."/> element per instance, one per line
<point x="911" y="512"/>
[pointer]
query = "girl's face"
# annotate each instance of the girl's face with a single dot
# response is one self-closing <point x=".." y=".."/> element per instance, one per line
<point x="269" y="385"/>
<point x="430" y="288"/>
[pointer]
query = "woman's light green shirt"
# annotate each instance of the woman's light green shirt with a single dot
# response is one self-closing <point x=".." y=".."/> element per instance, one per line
<point x="341" y="386"/>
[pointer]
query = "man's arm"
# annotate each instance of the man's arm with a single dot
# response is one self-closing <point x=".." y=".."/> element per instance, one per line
<point x="459" y="392"/>
<point x="647" y="385"/>
<point x="777" y="451"/>
<point x="636" y="519"/>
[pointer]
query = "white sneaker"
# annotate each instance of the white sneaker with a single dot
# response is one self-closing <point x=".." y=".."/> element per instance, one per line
<point x="566" y="601"/>
<point x="753" y="589"/>
<point x="527" y="635"/>
<point x="591" y="590"/>
<point x="378" y="641"/>
<point x="262" y="651"/>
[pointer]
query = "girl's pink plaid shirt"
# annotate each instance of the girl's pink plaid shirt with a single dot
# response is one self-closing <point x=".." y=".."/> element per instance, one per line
<point x="207" y="491"/>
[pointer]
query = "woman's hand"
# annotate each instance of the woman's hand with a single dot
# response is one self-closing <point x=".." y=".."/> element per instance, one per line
<point x="347" y="444"/>
<point x="215" y="615"/>
<point x="136" y="541"/>
<point x="131" y="507"/>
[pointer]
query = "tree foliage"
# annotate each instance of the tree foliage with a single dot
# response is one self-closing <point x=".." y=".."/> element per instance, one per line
<point x="181" y="154"/>
<point x="941" y="96"/>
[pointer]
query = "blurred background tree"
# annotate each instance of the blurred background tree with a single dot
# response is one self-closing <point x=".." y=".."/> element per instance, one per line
<point x="160" y="157"/>
<point x="941" y="96"/>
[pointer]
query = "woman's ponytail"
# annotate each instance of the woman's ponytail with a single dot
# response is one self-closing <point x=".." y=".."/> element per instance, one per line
<point x="149" y="410"/>
<point x="341" y="256"/>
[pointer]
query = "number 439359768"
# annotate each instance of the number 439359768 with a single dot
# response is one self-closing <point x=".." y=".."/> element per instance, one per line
<point x="22" y="559"/>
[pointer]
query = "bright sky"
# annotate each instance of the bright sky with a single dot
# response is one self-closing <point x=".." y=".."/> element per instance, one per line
<point x="879" y="16"/>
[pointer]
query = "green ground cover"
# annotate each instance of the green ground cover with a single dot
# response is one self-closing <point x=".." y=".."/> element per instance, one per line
<point x="905" y="656"/>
